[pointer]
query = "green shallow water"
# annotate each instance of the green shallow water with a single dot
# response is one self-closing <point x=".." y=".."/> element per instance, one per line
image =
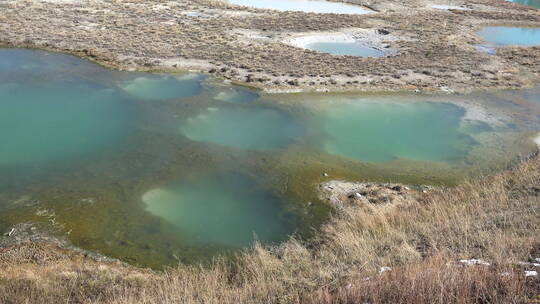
<point x="57" y="123"/>
<point x="159" y="169"/>
<point x="235" y="95"/>
<point x="227" y="210"/>
<point x="163" y="87"/>
<point x="245" y="128"/>
<point x="379" y="131"/>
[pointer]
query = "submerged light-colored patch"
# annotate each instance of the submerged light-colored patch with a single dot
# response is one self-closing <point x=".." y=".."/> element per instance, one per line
<point x="237" y="96"/>
<point x="158" y="87"/>
<point x="378" y="131"/>
<point x="229" y="211"/>
<point x="247" y="128"/>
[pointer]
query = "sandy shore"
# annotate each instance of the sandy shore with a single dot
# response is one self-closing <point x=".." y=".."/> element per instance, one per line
<point x="432" y="49"/>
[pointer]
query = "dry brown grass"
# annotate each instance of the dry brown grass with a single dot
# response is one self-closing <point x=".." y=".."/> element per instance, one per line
<point x="436" y="281"/>
<point x="495" y="219"/>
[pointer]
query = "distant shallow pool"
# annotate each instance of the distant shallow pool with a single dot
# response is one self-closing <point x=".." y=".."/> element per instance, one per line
<point x="533" y="3"/>
<point x="345" y="48"/>
<point x="506" y="35"/>
<point x="308" y="6"/>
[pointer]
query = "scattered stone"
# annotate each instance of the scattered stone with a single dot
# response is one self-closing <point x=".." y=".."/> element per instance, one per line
<point x="87" y="200"/>
<point x="531" y="273"/>
<point x="341" y="192"/>
<point x="474" y="262"/>
<point x="384" y="269"/>
<point x="529" y="264"/>
<point x="397" y="188"/>
<point x="10" y="232"/>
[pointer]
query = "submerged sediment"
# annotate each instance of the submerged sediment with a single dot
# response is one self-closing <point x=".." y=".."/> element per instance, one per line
<point x="432" y="49"/>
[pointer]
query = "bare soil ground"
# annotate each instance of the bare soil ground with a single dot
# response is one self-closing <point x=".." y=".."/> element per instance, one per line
<point x="433" y="49"/>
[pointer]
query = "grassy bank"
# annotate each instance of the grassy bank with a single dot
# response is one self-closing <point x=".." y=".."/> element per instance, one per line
<point x="421" y="239"/>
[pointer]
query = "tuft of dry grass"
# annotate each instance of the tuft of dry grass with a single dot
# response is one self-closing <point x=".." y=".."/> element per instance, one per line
<point x="495" y="219"/>
<point x="435" y="281"/>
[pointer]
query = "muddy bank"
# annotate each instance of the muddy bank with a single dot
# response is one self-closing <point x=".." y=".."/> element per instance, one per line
<point x="432" y="49"/>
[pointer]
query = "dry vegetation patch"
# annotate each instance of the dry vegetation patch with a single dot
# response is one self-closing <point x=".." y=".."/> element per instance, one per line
<point x="434" y="49"/>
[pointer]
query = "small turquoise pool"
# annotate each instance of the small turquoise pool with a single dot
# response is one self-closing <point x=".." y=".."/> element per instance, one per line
<point x="345" y="48"/>
<point x="383" y="131"/>
<point x="308" y="6"/>
<point x="533" y="3"/>
<point x="226" y="210"/>
<point x="506" y="35"/>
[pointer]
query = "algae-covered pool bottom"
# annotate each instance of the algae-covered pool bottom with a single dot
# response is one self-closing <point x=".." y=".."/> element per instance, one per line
<point x="160" y="169"/>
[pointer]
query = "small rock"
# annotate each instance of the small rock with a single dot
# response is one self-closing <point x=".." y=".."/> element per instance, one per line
<point x="325" y="174"/>
<point x="532" y="273"/>
<point x="474" y="262"/>
<point x="10" y="233"/>
<point x="529" y="264"/>
<point x="397" y="188"/>
<point x="384" y="269"/>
